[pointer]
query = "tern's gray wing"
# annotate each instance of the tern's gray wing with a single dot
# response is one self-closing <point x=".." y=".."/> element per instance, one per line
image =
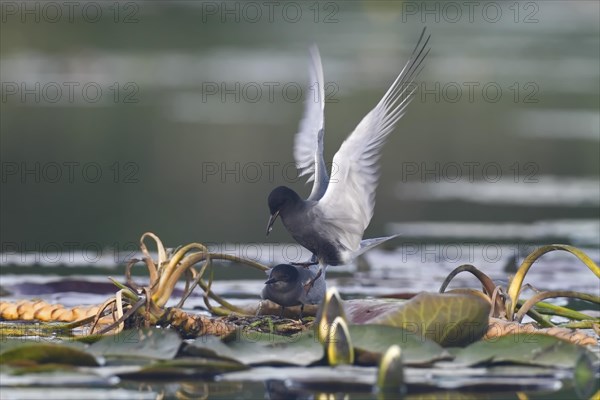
<point x="308" y="143"/>
<point x="350" y="198"/>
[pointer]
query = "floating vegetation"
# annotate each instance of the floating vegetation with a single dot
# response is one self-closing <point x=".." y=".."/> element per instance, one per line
<point x="508" y="310"/>
<point x="373" y="345"/>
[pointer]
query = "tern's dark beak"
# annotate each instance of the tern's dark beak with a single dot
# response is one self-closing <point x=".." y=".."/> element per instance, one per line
<point x="272" y="280"/>
<point x="272" y="220"/>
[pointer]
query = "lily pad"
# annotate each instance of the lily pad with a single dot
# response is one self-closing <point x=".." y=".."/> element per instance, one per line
<point x="447" y="319"/>
<point x="65" y="377"/>
<point x="341" y="378"/>
<point x="371" y="341"/>
<point x="532" y="349"/>
<point x="360" y="379"/>
<point x="585" y="376"/>
<point x="256" y="348"/>
<point x="363" y="311"/>
<point x="161" y="344"/>
<point x="184" y="367"/>
<point x="32" y="353"/>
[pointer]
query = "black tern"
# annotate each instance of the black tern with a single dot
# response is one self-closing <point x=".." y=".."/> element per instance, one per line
<point x="332" y="220"/>
<point x="285" y="286"/>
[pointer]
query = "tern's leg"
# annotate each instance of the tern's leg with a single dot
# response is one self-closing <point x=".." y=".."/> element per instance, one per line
<point x="281" y="312"/>
<point x="301" y="311"/>
<point x="311" y="283"/>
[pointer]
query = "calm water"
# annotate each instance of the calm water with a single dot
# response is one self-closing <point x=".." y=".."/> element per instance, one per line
<point x="179" y="119"/>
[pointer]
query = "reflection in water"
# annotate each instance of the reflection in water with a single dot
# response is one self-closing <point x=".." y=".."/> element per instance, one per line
<point x="559" y="124"/>
<point x="540" y="191"/>
<point x="578" y="232"/>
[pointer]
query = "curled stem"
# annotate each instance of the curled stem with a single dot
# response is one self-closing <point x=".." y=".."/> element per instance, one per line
<point x="165" y="277"/>
<point x="550" y="294"/>
<point x="552" y="309"/>
<point x="162" y="254"/>
<point x="485" y="280"/>
<point x="514" y="288"/>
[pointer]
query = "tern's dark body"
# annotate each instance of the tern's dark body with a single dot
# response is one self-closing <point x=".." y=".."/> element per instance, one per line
<point x="306" y="225"/>
<point x="285" y="286"/>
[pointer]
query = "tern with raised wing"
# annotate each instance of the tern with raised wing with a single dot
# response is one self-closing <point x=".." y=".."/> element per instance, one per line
<point x="332" y="220"/>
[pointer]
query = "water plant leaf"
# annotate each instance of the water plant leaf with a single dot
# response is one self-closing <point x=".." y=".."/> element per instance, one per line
<point x="185" y="366"/>
<point x="363" y="311"/>
<point x="586" y="374"/>
<point x="32" y="353"/>
<point x="150" y="343"/>
<point x="253" y="348"/>
<point x="345" y="378"/>
<point x="533" y="349"/>
<point x="447" y="319"/>
<point x="422" y="383"/>
<point x="371" y="341"/>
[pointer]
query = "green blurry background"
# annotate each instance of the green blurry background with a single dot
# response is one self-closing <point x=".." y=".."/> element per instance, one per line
<point x="161" y="135"/>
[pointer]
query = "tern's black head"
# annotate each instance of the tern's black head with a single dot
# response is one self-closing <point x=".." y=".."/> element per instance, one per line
<point x="280" y="199"/>
<point x="283" y="273"/>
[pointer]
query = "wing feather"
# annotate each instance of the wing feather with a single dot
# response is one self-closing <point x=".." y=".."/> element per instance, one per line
<point x="350" y="198"/>
<point x="308" y="142"/>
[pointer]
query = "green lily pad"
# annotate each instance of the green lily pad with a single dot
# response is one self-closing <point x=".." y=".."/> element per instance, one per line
<point x="447" y="319"/>
<point x="256" y="348"/>
<point x="153" y="343"/>
<point x="342" y="378"/>
<point x="32" y="353"/>
<point x="533" y="349"/>
<point x="363" y="311"/>
<point x="422" y="383"/>
<point x="585" y="376"/>
<point x="185" y="366"/>
<point x="371" y="341"/>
